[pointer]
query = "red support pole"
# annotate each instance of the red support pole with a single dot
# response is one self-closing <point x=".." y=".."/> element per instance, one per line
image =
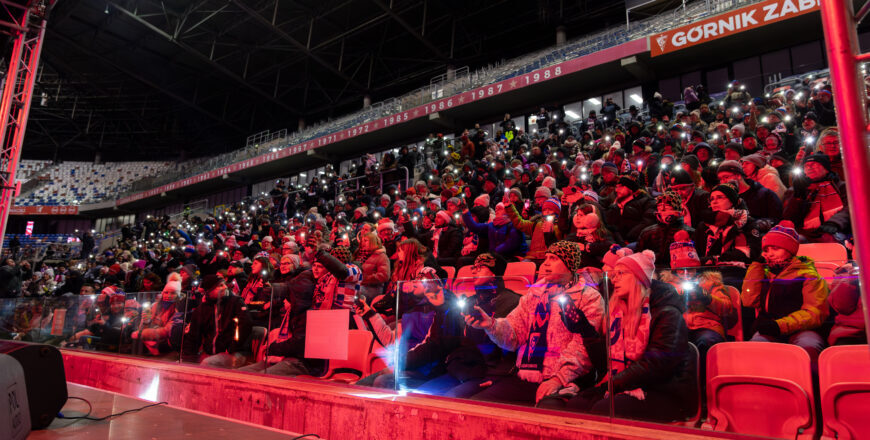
<point x="841" y="41"/>
<point x="17" y="96"/>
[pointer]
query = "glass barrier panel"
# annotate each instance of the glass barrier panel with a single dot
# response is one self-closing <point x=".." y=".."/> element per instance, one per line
<point x="751" y="358"/>
<point x="149" y="324"/>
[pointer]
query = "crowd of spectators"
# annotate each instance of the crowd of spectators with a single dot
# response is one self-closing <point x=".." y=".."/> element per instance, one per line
<point x="663" y="225"/>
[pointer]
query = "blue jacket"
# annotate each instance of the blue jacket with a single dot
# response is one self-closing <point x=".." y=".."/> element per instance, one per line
<point x="505" y="240"/>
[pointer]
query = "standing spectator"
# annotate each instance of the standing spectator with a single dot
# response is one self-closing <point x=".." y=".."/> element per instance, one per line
<point x="375" y="265"/>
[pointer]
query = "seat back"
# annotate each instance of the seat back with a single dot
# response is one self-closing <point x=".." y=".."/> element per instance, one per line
<point x="464" y="272"/>
<point x="844" y="382"/>
<point x="359" y="344"/>
<point x="451" y="273"/>
<point x="524" y="269"/>
<point x="760" y="388"/>
<point x="736" y="328"/>
<point x="518" y="284"/>
<point x="827" y="252"/>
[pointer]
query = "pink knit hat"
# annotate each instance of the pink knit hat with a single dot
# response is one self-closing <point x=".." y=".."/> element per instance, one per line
<point x="641" y="264"/>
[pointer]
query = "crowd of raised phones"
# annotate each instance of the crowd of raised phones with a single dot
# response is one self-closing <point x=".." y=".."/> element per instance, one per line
<point x="647" y="235"/>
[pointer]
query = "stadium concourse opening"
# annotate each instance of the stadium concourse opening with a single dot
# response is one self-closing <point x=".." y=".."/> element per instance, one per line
<point x="543" y="221"/>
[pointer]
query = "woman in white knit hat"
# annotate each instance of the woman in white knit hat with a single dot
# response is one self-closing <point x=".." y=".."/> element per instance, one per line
<point x="652" y="373"/>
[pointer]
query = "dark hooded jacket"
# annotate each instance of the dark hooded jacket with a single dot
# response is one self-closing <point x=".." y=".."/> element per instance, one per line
<point x="203" y="331"/>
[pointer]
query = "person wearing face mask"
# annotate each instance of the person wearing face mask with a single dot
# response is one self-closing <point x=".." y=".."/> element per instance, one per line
<point x="789" y="296"/>
<point x="658" y="237"/>
<point x="550" y="356"/>
<point x="818" y="202"/>
<point x="728" y="239"/>
<point x="219" y="328"/>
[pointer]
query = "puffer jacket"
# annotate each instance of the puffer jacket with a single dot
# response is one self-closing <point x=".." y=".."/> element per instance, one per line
<point x="566" y="357"/>
<point x="667" y="364"/>
<point x="534" y="228"/>
<point x="796" y="298"/>
<point x="376" y="268"/>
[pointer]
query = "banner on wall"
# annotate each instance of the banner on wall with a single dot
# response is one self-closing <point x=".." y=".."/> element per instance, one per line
<point x="29" y="229"/>
<point x="729" y="23"/>
<point x="44" y="210"/>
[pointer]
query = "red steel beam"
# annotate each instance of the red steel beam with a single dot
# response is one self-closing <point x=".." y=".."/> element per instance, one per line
<point x="841" y="40"/>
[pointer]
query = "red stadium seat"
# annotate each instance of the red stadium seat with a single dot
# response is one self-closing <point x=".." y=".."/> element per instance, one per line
<point x="359" y="344"/>
<point x="760" y="388"/>
<point x="824" y="252"/>
<point x="844" y="382"/>
<point x="451" y="273"/>
<point x="525" y="269"/>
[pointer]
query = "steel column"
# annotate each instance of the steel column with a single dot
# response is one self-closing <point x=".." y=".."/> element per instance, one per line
<point x="841" y="40"/>
<point x="15" y="104"/>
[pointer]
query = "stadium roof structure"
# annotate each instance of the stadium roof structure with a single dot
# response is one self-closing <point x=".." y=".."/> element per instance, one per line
<point x="149" y="79"/>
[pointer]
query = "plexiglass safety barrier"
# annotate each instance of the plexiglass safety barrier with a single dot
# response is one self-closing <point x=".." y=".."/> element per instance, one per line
<point x="754" y="349"/>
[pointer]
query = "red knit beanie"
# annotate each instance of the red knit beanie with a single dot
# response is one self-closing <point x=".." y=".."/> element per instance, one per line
<point x="782" y="235"/>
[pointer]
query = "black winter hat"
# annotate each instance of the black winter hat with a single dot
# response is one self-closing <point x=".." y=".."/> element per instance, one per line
<point x="209" y="282"/>
<point x="729" y="191"/>
<point x="821" y="159"/>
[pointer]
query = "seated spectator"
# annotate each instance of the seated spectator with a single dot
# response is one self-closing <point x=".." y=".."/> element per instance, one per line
<point x="653" y="371"/>
<point x="658" y="237"/>
<point x="631" y="211"/>
<point x="789" y="296"/>
<point x="694" y="201"/>
<point x="158" y="322"/>
<point x="819" y="203"/>
<point x="219" y="328"/>
<point x="590" y="233"/>
<point x="549" y="355"/>
<point x="755" y="167"/>
<point x="727" y="239"/>
<point x="845" y="300"/>
<point x="762" y="203"/>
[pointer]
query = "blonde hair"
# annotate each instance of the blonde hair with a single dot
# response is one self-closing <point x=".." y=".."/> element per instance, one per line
<point x="374" y="241"/>
<point x="637" y="296"/>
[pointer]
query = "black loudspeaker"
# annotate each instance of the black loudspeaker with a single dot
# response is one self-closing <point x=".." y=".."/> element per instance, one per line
<point x="44" y="377"/>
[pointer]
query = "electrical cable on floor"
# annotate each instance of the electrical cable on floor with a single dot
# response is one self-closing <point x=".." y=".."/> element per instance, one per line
<point x="98" y="419"/>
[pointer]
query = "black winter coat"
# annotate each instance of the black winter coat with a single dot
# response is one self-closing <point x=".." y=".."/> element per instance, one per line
<point x="761" y="202"/>
<point x="667" y="365"/>
<point x="634" y="217"/>
<point x="201" y="332"/>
